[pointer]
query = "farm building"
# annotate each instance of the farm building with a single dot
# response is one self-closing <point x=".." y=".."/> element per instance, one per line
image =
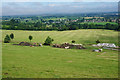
<point x="110" y="45"/>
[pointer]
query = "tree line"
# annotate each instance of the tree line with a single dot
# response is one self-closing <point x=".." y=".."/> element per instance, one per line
<point x="10" y="37"/>
<point x="18" y="25"/>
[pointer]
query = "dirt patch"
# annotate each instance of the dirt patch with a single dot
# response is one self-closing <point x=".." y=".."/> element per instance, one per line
<point x="29" y="44"/>
<point x="5" y="73"/>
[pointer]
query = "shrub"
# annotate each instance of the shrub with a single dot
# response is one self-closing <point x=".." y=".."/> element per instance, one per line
<point x="52" y="40"/>
<point x="97" y="41"/>
<point x="73" y="41"/>
<point x="119" y="43"/>
<point x="7" y="39"/>
<point x="12" y="36"/>
<point x="48" y="41"/>
<point x="30" y="37"/>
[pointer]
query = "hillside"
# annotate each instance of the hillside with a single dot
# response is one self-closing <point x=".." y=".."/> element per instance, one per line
<point x="49" y="62"/>
<point x="83" y="36"/>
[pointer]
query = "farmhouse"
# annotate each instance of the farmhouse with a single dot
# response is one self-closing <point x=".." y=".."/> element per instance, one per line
<point x="110" y="45"/>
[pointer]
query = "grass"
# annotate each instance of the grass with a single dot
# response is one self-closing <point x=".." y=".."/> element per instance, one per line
<point x="55" y="18"/>
<point x="92" y="17"/>
<point x="49" y="62"/>
<point x="82" y="36"/>
<point x="101" y="23"/>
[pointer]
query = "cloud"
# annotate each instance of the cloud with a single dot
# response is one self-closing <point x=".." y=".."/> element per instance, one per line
<point x="78" y="0"/>
<point x="16" y="0"/>
<point x="52" y="5"/>
<point x="96" y="0"/>
<point x="32" y="8"/>
<point x="60" y="0"/>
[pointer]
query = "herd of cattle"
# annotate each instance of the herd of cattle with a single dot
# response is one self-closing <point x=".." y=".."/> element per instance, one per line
<point x="70" y="46"/>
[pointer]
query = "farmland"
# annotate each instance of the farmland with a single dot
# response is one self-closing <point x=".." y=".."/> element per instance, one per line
<point x="49" y="62"/>
<point x="100" y="23"/>
<point x="82" y="36"/>
<point x="59" y="39"/>
<point x="59" y="23"/>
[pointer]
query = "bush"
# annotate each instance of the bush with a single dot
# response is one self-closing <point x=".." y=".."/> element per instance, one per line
<point x="48" y="41"/>
<point x="97" y="41"/>
<point x="73" y="41"/>
<point x="52" y="40"/>
<point x="30" y="37"/>
<point x="12" y="36"/>
<point x="7" y="39"/>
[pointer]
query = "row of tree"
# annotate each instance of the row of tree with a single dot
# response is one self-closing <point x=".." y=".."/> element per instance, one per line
<point x="8" y="38"/>
<point x="17" y="25"/>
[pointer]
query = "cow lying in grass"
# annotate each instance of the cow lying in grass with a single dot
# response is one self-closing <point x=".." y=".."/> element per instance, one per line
<point x="97" y="50"/>
<point x="69" y="46"/>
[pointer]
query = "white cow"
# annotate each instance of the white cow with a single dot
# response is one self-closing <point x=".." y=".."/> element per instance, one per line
<point x="40" y="45"/>
<point x="97" y="50"/>
<point x="67" y="47"/>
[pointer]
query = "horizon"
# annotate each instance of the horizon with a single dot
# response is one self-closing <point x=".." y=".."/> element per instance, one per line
<point x="62" y="14"/>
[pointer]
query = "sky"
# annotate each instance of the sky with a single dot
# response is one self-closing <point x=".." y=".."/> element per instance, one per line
<point x="60" y="0"/>
<point x="37" y="8"/>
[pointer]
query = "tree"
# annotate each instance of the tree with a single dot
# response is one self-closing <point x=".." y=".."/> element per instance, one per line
<point x="85" y="26"/>
<point x="107" y="25"/>
<point x="97" y="41"/>
<point x="92" y="26"/>
<point x="73" y="41"/>
<point x="7" y="39"/>
<point x="30" y="37"/>
<point x="52" y="40"/>
<point x="48" y="41"/>
<point x="12" y="36"/>
<point x="12" y="21"/>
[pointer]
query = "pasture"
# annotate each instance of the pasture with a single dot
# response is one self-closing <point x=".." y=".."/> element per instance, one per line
<point x="101" y="23"/>
<point x="92" y="17"/>
<point x="49" y="62"/>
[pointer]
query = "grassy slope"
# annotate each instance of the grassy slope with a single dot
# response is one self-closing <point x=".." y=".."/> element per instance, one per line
<point x="80" y="36"/>
<point x="48" y="62"/>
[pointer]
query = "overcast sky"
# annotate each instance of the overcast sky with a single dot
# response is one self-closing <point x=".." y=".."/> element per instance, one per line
<point x="36" y="8"/>
<point x="60" y="0"/>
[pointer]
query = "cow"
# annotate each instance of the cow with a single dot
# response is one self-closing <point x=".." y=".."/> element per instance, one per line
<point x="97" y="50"/>
<point x="67" y="47"/>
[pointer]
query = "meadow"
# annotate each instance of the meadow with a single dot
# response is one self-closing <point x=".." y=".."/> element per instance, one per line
<point x="93" y="17"/>
<point x="101" y="23"/>
<point x="49" y="62"/>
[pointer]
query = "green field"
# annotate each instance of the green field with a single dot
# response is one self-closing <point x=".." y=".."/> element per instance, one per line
<point x="49" y="62"/>
<point x="101" y="23"/>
